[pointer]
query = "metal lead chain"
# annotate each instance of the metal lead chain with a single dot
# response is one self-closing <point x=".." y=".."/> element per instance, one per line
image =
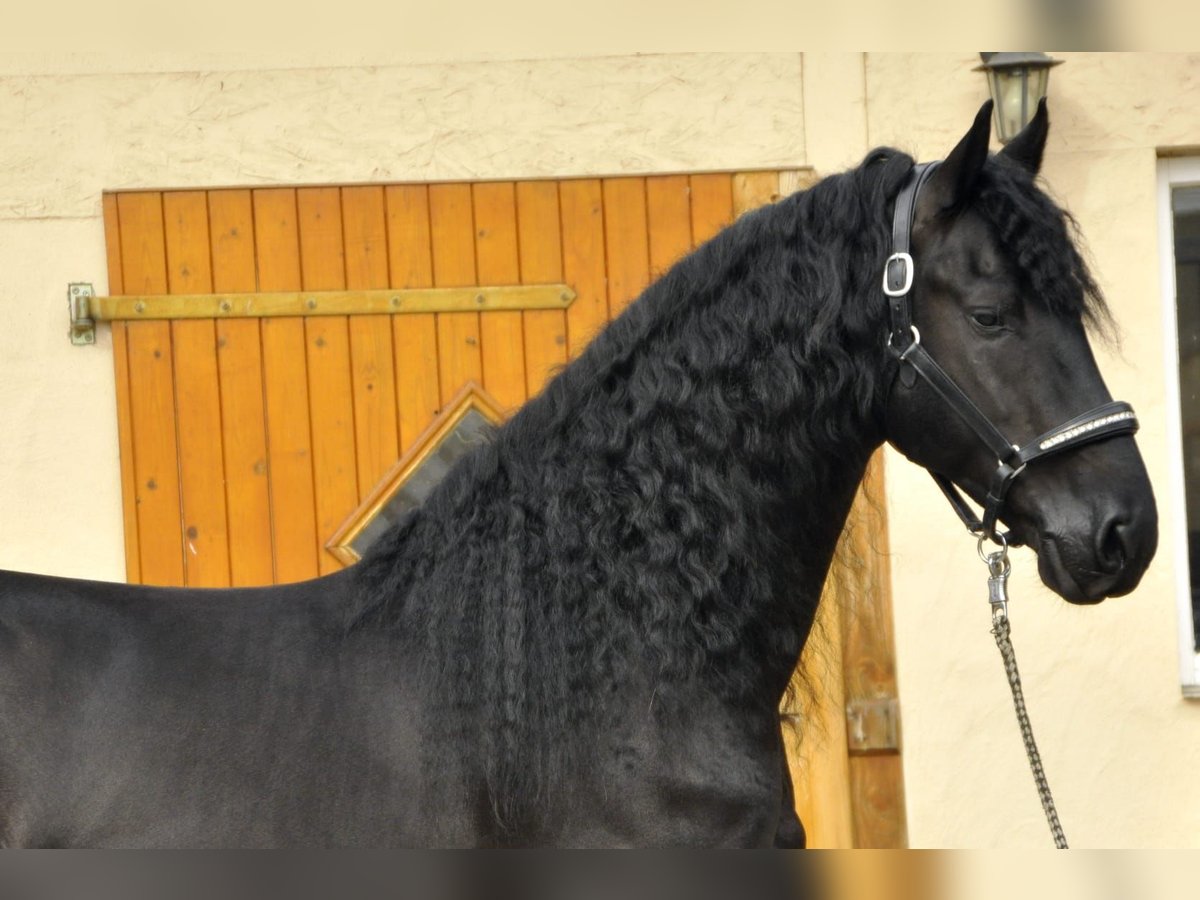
<point x="998" y="571"/>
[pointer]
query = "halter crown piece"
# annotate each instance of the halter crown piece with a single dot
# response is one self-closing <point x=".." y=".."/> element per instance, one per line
<point x="904" y="341"/>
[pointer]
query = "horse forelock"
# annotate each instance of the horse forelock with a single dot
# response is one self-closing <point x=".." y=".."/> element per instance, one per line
<point x="1043" y="242"/>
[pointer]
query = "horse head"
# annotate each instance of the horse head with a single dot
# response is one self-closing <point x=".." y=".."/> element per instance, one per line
<point x="1002" y="300"/>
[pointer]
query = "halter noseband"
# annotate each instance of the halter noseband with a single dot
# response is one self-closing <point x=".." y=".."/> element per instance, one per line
<point x="904" y="341"/>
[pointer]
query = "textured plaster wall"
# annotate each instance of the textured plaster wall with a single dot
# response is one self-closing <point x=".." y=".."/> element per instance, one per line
<point x="60" y="502"/>
<point x="1102" y="682"/>
<point x="78" y="133"/>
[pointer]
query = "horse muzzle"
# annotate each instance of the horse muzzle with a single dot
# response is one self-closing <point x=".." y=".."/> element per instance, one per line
<point x="1096" y="537"/>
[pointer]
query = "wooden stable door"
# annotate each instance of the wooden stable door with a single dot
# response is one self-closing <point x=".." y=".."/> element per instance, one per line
<point x="246" y="442"/>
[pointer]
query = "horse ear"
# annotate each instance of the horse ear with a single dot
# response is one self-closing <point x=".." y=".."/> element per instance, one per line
<point x="1027" y="147"/>
<point x="954" y="180"/>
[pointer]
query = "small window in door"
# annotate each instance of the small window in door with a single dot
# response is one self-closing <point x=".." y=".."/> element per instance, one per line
<point x="465" y="424"/>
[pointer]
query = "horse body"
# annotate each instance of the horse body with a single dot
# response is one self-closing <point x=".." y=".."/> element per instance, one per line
<point x="162" y="717"/>
<point x="583" y="636"/>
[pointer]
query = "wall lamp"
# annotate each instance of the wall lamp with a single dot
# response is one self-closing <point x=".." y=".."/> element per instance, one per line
<point x="1017" y="82"/>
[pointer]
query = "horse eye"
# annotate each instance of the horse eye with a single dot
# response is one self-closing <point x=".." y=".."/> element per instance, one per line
<point x="986" y="318"/>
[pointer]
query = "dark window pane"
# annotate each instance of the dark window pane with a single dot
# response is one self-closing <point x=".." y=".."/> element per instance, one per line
<point x="471" y="430"/>
<point x="1185" y="205"/>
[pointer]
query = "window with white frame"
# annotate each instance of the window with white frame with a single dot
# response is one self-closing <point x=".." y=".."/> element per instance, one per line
<point x="1179" y="231"/>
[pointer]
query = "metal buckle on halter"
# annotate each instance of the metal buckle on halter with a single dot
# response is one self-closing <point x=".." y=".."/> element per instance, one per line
<point x="911" y="345"/>
<point x="907" y="260"/>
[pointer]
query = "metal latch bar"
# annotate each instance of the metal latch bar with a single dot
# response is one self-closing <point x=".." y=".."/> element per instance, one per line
<point x="87" y="309"/>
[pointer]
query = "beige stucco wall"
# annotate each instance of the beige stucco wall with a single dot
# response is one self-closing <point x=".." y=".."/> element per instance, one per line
<point x="1102" y="682"/>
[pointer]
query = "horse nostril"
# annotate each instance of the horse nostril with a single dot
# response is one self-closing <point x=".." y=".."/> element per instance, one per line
<point x="1111" y="548"/>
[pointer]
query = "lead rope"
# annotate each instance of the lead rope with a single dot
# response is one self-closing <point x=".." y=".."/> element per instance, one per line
<point x="998" y="571"/>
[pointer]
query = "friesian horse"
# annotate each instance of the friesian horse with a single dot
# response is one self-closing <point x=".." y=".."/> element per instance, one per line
<point x="582" y="637"/>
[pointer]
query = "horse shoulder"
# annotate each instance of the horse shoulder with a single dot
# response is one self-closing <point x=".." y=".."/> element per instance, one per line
<point x="708" y="777"/>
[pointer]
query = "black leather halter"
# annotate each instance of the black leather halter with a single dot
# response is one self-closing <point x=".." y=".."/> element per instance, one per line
<point x="904" y="341"/>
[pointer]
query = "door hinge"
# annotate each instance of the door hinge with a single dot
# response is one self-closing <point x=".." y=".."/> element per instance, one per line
<point x="873" y="726"/>
<point x="83" y="326"/>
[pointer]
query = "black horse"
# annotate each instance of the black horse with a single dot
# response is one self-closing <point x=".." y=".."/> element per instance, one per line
<point x="583" y="636"/>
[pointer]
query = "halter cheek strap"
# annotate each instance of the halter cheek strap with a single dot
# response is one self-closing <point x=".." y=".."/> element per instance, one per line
<point x="904" y="340"/>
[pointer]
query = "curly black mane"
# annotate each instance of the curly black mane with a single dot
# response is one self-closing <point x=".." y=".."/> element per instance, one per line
<point x="666" y="502"/>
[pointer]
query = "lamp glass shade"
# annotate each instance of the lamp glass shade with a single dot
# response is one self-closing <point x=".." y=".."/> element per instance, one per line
<point x="1016" y="91"/>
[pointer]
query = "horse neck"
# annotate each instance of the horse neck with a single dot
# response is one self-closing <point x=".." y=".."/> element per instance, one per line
<point x="652" y="531"/>
<point x="702" y="455"/>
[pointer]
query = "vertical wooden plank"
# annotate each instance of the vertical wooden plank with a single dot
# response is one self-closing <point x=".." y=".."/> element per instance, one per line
<point x="712" y="204"/>
<point x="152" y="394"/>
<point x="452" y="232"/>
<point x="582" y="215"/>
<point x="197" y="395"/>
<point x="626" y="242"/>
<point x="869" y="664"/>
<point x="541" y="263"/>
<point x="330" y="391"/>
<point x="376" y="440"/>
<point x="414" y="337"/>
<point x="826" y="759"/>
<point x="120" y="349"/>
<point x="877" y="802"/>
<point x="243" y="415"/>
<point x="668" y="214"/>
<point x="285" y="390"/>
<point x="502" y="340"/>
<point x="754" y="189"/>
